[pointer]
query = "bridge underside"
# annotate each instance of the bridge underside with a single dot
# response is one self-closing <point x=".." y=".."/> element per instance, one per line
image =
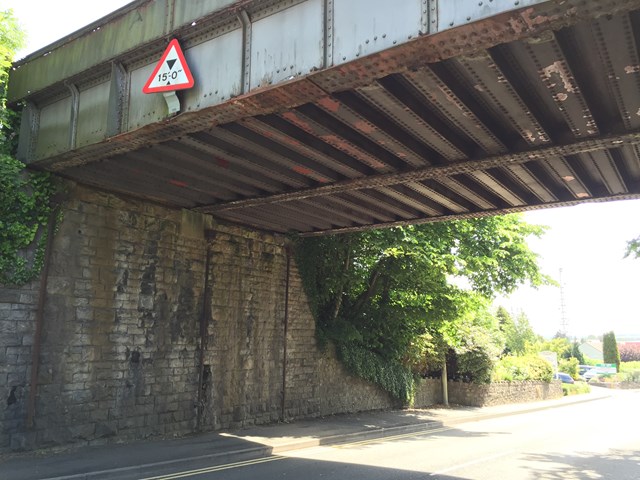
<point x="509" y="113"/>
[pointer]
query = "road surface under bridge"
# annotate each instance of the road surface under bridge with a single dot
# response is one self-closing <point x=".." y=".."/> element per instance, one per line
<point x="321" y="116"/>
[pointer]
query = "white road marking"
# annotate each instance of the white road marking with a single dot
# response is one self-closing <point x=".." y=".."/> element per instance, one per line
<point x="474" y="462"/>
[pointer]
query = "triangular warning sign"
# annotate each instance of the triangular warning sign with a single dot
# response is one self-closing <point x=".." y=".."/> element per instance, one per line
<point x="171" y="72"/>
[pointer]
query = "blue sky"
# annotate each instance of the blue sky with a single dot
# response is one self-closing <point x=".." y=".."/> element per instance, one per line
<point x="587" y="242"/>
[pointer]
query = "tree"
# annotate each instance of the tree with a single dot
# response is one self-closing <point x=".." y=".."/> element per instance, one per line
<point x="391" y="291"/>
<point x="610" y="353"/>
<point x="560" y="345"/>
<point x="11" y="39"/>
<point x="576" y="353"/>
<point x="25" y="205"/>
<point x="518" y="333"/>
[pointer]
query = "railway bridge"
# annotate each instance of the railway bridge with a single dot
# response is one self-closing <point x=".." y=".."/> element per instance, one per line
<point x="194" y="134"/>
<point x="322" y="116"/>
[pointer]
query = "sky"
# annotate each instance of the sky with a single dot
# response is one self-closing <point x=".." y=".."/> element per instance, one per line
<point x="587" y="242"/>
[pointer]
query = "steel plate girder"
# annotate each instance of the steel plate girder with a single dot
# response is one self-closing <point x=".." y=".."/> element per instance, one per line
<point x="253" y="45"/>
<point x="482" y="117"/>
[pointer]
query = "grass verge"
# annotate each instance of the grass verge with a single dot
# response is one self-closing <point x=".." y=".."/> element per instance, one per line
<point x="575" y="388"/>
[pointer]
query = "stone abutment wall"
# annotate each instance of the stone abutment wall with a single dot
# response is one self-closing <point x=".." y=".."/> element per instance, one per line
<point x="121" y="358"/>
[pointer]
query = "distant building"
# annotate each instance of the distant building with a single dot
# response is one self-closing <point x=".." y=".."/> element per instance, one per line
<point x="592" y="349"/>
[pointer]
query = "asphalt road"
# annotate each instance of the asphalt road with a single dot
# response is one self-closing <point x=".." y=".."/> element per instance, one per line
<point x="594" y="440"/>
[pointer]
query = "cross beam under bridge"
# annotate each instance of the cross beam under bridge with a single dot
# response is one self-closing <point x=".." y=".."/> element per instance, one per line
<point x="324" y="116"/>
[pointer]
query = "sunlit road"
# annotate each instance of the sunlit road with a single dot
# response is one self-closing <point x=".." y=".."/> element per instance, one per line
<point x="593" y="440"/>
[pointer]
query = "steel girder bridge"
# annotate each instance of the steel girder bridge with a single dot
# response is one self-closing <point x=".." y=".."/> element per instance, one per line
<point x="321" y="116"/>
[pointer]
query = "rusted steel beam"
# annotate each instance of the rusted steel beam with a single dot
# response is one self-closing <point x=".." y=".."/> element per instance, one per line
<point x="434" y="172"/>
<point x="472" y="215"/>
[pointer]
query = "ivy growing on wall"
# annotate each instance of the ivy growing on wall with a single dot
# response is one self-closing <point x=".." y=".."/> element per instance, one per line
<point x="25" y="208"/>
<point x="25" y="197"/>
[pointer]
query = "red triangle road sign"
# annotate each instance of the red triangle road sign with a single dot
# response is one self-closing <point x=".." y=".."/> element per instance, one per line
<point x="171" y="72"/>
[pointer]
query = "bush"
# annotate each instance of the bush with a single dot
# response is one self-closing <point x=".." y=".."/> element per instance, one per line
<point x="629" y="352"/>
<point x="475" y="366"/>
<point x="570" y="366"/>
<point x="527" y="367"/>
<point x="631" y="377"/>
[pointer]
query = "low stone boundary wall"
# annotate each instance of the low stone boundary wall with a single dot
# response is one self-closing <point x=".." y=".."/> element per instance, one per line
<point x="617" y="385"/>
<point x="501" y="393"/>
<point x="429" y="392"/>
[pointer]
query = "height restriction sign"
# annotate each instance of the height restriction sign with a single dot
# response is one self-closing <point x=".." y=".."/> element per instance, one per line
<point x="171" y="72"/>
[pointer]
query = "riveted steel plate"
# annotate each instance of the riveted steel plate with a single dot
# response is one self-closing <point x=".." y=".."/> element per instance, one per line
<point x="453" y="13"/>
<point x="54" y="131"/>
<point x="287" y="44"/>
<point x="144" y="108"/>
<point x="362" y="27"/>
<point x="193" y="10"/>
<point x="216" y="66"/>
<point x="93" y="114"/>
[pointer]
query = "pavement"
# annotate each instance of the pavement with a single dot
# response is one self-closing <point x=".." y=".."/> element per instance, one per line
<point x="115" y="460"/>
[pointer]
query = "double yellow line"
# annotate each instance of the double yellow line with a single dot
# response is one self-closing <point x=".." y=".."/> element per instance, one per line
<point x="217" y="468"/>
<point x="248" y="463"/>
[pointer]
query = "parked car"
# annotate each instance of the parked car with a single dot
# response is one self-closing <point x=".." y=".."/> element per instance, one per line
<point x="590" y="374"/>
<point x="564" y="377"/>
<point x="582" y="369"/>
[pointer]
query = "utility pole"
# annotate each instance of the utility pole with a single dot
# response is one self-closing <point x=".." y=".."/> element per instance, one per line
<point x="445" y="391"/>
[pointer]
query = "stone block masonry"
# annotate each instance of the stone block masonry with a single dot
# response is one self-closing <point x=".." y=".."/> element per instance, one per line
<point x="121" y="356"/>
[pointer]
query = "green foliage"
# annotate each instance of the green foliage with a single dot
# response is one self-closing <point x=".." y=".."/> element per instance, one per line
<point x="560" y="345"/>
<point x="570" y="366"/>
<point x="24" y="212"/>
<point x="610" y="351"/>
<point x="391" y="292"/>
<point x="475" y="342"/>
<point x="522" y="368"/>
<point x="590" y="361"/>
<point x="24" y="197"/>
<point x="392" y="377"/>
<point x="577" y="388"/>
<point x="518" y="333"/>
<point x="633" y="248"/>
<point x="576" y="353"/>
<point x="629" y="366"/>
<point x="11" y="39"/>
<point x="632" y="376"/>
<point x="476" y="365"/>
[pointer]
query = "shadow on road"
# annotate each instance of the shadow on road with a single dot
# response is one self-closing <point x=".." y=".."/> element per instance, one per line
<point x="131" y="460"/>
<point x="617" y="464"/>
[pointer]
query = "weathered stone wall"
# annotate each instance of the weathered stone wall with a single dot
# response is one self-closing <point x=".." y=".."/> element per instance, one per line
<point x="120" y="352"/>
<point x="502" y="393"/>
<point x="428" y="392"/>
